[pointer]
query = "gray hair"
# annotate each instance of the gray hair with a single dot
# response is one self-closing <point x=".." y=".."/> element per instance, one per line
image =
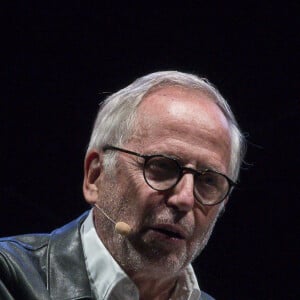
<point x="117" y="114"/>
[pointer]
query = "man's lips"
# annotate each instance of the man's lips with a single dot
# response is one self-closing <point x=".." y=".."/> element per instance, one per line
<point x="170" y="230"/>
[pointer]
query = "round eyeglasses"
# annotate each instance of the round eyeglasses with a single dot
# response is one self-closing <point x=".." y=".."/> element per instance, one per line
<point x="162" y="173"/>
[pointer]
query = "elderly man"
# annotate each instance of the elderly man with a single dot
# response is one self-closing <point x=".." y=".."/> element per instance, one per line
<point x="163" y="158"/>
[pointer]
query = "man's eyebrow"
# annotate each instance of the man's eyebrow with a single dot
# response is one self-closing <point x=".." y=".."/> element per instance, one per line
<point x="210" y="167"/>
<point x="165" y="154"/>
<point x="200" y="166"/>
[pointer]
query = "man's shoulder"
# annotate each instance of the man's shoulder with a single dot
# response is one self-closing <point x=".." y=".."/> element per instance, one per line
<point x="30" y="263"/>
<point x="33" y="247"/>
<point x="29" y="242"/>
<point x="36" y="241"/>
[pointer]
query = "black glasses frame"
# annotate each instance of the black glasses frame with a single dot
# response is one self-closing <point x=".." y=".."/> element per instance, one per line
<point x="182" y="171"/>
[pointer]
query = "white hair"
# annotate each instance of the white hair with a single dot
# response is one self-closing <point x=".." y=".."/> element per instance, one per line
<point x="117" y="114"/>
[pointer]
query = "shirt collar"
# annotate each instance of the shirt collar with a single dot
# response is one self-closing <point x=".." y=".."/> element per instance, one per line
<point x="109" y="281"/>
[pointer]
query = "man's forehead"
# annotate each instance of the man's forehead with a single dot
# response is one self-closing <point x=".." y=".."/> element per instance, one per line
<point x="172" y="110"/>
<point x="178" y="101"/>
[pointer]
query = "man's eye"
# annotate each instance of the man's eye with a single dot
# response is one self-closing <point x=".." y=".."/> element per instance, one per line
<point x="161" y="168"/>
<point x="158" y="166"/>
<point x="209" y="180"/>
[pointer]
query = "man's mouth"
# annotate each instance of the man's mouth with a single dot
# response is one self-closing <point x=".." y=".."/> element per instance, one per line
<point x="170" y="231"/>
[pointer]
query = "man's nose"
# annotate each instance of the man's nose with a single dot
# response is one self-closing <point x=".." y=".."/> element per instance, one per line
<point x="182" y="196"/>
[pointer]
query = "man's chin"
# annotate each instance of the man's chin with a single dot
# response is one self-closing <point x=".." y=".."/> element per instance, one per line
<point x="164" y="260"/>
<point x="169" y="265"/>
<point x="147" y="254"/>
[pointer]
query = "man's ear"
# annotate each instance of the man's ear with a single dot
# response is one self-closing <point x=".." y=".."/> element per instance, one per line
<point x="92" y="171"/>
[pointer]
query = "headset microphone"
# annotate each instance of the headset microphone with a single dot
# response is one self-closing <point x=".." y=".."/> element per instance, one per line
<point x="120" y="227"/>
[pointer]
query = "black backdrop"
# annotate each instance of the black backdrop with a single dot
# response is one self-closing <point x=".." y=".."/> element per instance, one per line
<point x="58" y="63"/>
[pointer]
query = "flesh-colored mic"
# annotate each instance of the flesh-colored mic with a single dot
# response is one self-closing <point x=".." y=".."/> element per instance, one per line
<point x="120" y="227"/>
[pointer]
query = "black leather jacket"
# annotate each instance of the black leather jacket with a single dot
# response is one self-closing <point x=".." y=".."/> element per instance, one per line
<point x="46" y="266"/>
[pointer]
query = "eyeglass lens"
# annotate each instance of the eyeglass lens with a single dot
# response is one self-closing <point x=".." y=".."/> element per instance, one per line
<point x="162" y="173"/>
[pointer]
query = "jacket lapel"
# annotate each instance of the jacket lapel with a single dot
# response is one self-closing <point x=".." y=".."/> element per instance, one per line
<point x="67" y="277"/>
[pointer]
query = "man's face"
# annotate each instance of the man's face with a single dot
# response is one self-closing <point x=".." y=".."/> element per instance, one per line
<point x="169" y="229"/>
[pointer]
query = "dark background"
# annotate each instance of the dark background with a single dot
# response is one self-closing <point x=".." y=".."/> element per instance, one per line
<point x="58" y="61"/>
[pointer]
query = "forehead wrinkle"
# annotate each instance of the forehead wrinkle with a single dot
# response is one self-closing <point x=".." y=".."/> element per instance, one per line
<point x="153" y="133"/>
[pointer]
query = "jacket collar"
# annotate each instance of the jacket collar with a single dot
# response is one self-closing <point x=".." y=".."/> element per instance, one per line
<point x="67" y="277"/>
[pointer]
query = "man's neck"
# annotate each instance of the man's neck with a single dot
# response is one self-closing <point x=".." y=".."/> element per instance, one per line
<point x="154" y="289"/>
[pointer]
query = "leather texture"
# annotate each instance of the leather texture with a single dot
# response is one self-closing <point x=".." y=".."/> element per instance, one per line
<point x="46" y="266"/>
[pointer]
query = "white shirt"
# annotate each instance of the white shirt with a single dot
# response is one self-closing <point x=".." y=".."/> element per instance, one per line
<point x="110" y="282"/>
